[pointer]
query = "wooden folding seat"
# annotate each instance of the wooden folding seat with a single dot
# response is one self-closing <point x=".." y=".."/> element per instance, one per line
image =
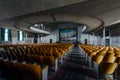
<point x="17" y="52"/>
<point x="34" y="59"/>
<point x="110" y="54"/>
<point x="103" y="52"/>
<point x="21" y="50"/>
<point x="25" y="48"/>
<point x="110" y="51"/>
<point x="56" y="55"/>
<point x="34" y="71"/>
<point x="97" y="59"/>
<point x="109" y="59"/>
<point x="106" y="48"/>
<point x="44" y="53"/>
<point x="4" y="68"/>
<point x="12" y="53"/>
<point x="6" y="55"/>
<point x="117" y="54"/>
<point x="107" y="68"/>
<point x="50" y="60"/>
<point x="12" y="70"/>
<point x="24" y="57"/>
<point x="38" y="50"/>
<point x="21" y="56"/>
<point x="31" y="71"/>
<point x="33" y="50"/>
<point x="41" y="53"/>
<point x="1" y="55"/>
<point x="16" y="70"/>
<point x="117" y="60"/>
<point x="88" y="51"/>
<point x="30" y="50"/>
<point x="61" y="51"/>
<point x="8" y="69"/>
<point x="91" y="54"/>
<point x="50" y="52"/>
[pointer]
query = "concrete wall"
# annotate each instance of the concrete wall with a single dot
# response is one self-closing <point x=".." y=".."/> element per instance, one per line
<point x="54" y="35"/>
<point x="14" y="35"/>
<point x="96" y="40"/>
<point x="54" y="32"/>
<point x="115" y="41"/>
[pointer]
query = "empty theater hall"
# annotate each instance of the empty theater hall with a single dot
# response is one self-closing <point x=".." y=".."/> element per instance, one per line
<point x="59" y="39"/>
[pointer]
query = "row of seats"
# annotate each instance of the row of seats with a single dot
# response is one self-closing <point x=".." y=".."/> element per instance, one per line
<point x="32" y="54"/>
<point x="107" y="58"/>
<point x="23" y="53"/>
<point x="22" y="71"/>
<point x="28" y="58"/>
<point x="56" y="50"/>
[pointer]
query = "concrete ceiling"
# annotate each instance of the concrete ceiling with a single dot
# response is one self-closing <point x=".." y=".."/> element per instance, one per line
<point x="13" y="8"/>
<point x="22" y="13"/>
<point x="89" y="21"/>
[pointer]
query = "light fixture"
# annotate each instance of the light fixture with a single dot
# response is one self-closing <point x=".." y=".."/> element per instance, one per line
<point x="84" y="27"/>
<point x="41" y="25"/>
<point x="36" y="25"/>
<point x="39" y="30"/>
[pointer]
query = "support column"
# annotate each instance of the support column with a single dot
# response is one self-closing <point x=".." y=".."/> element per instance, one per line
<point x="79" y="31"/>
<point x="0" y="34"/>
<point x="93" y="38"/>
<point x="103" y="41"/>
<point x="26" y="36"/>
<point x="89" y="39"/>
<point x="38" y="39"/>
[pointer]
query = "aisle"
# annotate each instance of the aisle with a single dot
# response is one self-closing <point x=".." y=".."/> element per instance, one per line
<point x="74" y="67"/>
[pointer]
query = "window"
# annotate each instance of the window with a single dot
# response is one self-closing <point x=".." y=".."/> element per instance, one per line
<point x="20" y="32"/>
<point x="20" y="36"/>
<point x="107" y="33"/>
<point x="6" y="35"/>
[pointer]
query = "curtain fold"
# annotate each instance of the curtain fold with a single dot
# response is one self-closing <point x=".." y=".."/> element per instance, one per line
<point x="2" y="34"/>
<point x="22" y="36"/>
<point x="9" y="35"/>
<point x="18" y="38"/>
<point x="35" y="35"/>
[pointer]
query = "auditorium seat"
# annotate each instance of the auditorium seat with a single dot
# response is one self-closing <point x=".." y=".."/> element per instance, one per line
<point x="106" y="59"/>
<point x="107" y="68"/>
<point x="97" y="58"/>
<point x="25" y="71"/>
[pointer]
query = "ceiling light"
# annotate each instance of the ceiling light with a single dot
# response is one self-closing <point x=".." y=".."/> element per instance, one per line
<point x="41" y="25"/>
<point x="84" y="27"/>
<point x="36" y="25"/>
